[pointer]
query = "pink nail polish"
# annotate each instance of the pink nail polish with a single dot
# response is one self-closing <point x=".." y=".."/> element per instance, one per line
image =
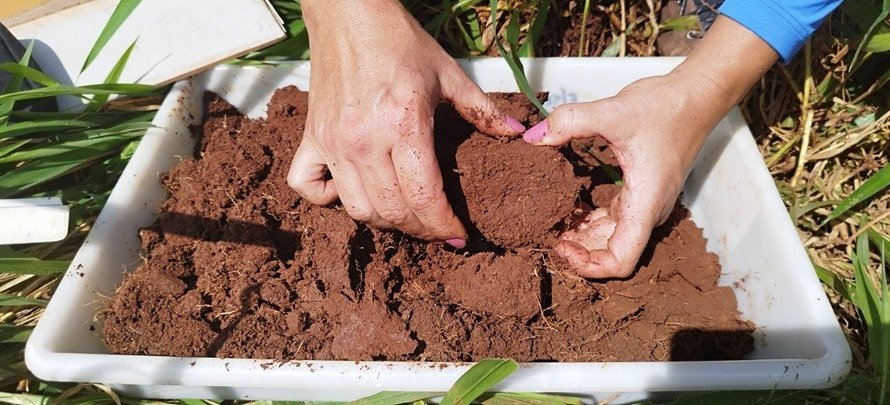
<point x="536" y="133"/>
<point x="515" y="125"/>
<point x="457" y="243"/>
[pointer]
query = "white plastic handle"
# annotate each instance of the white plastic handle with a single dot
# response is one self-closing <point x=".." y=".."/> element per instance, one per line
<point x="32" y="220"/>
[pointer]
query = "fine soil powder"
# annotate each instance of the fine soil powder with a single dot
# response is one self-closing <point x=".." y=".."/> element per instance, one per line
<point x="238" y="266"/>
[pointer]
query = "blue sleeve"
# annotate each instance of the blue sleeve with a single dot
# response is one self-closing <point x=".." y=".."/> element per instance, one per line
<point x="784" y="24"/>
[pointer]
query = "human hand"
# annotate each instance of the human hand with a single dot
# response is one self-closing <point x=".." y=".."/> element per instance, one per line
<point x="376" y="79"/>
<point x="655" y="127"/>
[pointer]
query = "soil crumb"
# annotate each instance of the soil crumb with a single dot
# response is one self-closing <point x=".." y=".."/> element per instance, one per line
<point x="239" y="266"/>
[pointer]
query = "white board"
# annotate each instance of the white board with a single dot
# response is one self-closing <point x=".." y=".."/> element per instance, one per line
<point x="174" y="39"/>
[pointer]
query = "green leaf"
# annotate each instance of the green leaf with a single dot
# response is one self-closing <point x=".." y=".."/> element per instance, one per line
<point x="15" y="301"/>
<point x="881" y="243"/>
<point x="30" y="127"/>
<point x="41" y="171"/>
<point x="521" y="81"/>
<point x="831" y="279"/>
<point x="613" y="49"/>
<point x="870" y="187"/>
<point x="536" y="29"/>
<point x="29" y="73"/>
<point x="113" y="77"/>
<point x="478" y="379"/>
<point x="14" y="84"/>
<point x="33" y="265"/>
<point x="97" y="145"/>
<point x="512" y="34"/>
<point x="118" y="16"/>
<point x="529" y="398"/>
<point x="192" y="402"/>
<point x="11" y="353"/>
<point x="885" y="11"/>
<point x="687" y="22"/>
<point x="12" y="147"/>
<point x="879" y="43"/>
<point x="394" y="397"/>
<point x="130" y="89"/>
<point x="14" y="334"/>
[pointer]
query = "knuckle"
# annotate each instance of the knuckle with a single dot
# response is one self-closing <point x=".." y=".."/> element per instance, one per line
<point x="395" y="215"/>
<point x="359" y="212"/>
<point x="424" y="201"/>
<point x="357" y="143"/>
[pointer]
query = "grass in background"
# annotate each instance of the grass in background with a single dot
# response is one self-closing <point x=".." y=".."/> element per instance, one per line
<point x="822" y="124"/>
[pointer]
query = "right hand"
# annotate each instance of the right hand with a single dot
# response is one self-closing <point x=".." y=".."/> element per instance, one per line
<point x="376" y="79"/>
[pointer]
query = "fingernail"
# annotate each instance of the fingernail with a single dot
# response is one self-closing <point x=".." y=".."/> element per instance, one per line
<point x="457" y="243"/>
<point x="515" y="125"/>
<point x="536" y="133"/>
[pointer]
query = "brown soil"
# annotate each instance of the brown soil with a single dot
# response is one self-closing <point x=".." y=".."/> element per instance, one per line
<point x="238" y="266"/>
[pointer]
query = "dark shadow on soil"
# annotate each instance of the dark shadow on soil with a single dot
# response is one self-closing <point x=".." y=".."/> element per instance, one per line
<point x="705" y="345"/>
<point x="214" y="230"/>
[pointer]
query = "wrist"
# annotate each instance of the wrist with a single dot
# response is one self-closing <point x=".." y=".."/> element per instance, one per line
<point x="727" y="63"/>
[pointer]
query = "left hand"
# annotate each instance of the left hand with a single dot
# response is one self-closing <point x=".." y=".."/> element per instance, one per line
<point x="655" y="127"/>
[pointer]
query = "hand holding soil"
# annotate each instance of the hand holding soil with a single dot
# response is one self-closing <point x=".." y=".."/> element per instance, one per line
<point x="370" y="120"/>
<point x="655" y="127"/>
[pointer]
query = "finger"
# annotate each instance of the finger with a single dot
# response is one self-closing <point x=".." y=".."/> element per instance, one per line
<point x="422" y="186"/>
<point x="572" y="121"/>
<point x="475" y="106"/>
<point x="353" y="195"/>
<point x="385" y="195"/>
<point x="635" y="214"/>
<point x="307" y="175"/>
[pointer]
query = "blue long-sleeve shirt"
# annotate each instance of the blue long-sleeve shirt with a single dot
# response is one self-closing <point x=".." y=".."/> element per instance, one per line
<point x="784" y="24"/>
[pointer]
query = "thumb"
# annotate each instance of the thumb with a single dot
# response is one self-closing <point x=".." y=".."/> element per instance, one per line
<point x="477" y="107"/>
<point x="631" y="218"/>
<point x="308" y="175"/>
<point x="572" y="121"/>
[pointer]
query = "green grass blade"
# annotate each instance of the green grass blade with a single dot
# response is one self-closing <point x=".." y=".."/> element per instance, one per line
<point x="37" y="172"/>
<point x="12" y="147"/>
<point x="192" y="402"/>
<point x="118" y="16"/>
<point x="33" y="265"/>
<point x="834" y="281"/>
<point x="11" y="353"/>
<point x="882" y="244"/>
<point x="96" y="145"/>
<point x="128" y="89"/>
<point x="14" y="334"/>
<point x="612" y="50"/>
<point x="31" y="127"/>
<point x="529" y="398"/>
<point x="29" y="73"/>
<point x="14" y="85"/>
<point x="18" y="301"/>
<point x="521" y="81"/>
<point x="25" y="399"/>
<point x="879" y="43"/>
<point x="479" y="379"/>
<point x="870" y="187"/>
<point x="535" y="29"/>
<point x="113" y="77"/>
<point x="885" y="11"/>
<point x="394" y="397"/>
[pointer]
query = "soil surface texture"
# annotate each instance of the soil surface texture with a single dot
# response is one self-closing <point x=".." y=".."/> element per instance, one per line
<point x="238" y="266"/>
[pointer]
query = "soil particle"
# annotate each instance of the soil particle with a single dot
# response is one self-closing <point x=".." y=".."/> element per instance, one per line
<point x="238" y="266"/>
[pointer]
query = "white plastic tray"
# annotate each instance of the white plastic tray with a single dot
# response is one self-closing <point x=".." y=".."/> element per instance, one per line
<point x="799" y="344"/>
